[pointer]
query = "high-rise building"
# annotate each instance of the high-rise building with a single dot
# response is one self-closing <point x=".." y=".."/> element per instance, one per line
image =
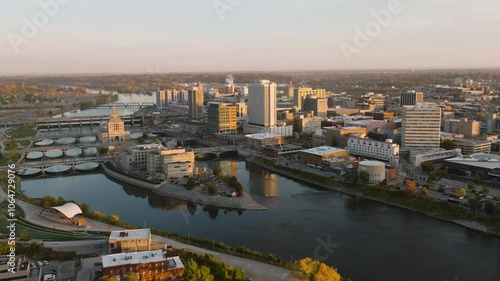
<point x="221" y="117"/>
<point x="467" y="128"/>
<point x="196" y="102"/>
<point x="262" y="104"/>
<point x="411" y="98"/>
<point x="421" y="127"/>
<point x="290" y="90"/>
<point x="301" y="92"/>
<point x="319" y="106"/>
<point x="161" y="99"/>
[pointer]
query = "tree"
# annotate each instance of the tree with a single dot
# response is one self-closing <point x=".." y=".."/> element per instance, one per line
<point x="98" y="215"/>
<point x="489" y="207"/>
<point x="130" y="276"/>
<point x="352" y="176"/>
<point x="141" y="140"/>
<point x="425" y="191"/>
<point x="81" y="221"/>
<point x="192" y="272"/>
<point x="447" y="144"/>
<point x="364" y="177"/>
<point x="443" y="173"/>
<point x="191" y="183"/>
<point x="217" y="172"/>
<point x="473" y="203"/>
<point x="114" y="219"/>
<point x="462" y="192"/>
<point x="212" y="189"/>
<point x="103" y="150"/>
<point x="410" y="187"/>
<point x="427" y="166"/>
<point x="485" y="190"/>
<point x="310" y="270"/>
<point x="471" y="186"/>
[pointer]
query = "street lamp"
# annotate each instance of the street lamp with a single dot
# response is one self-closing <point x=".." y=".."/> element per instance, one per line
<point x="59" y="272"/>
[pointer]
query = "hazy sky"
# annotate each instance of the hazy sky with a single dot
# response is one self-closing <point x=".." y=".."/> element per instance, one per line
<point x="132" y="36"/>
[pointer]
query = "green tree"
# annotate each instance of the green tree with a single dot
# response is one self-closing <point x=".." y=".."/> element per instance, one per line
<point x="364" y="177"/>
<point x="427" y="166"/>
<point x="217" y="172"/>
<point x="193" y="272"/>
<point x="447" y="144"/>
<point x="485" y="190"/>
<point x="471" y="186"/>
<point x="103" y="150"/>
<point x="489" y="207"/>
<point x="212" y="189"/>
<point x="98" y="215"/>
<point x="443" y="173"/>
<point x="473" y="203"/>
<point x="191" y="183"/>
<point x="352" y="176"/>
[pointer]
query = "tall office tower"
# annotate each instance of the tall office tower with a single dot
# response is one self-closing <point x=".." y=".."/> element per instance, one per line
<point x="290" y="91"/>
<point x="196" y="102"/>
<point x="421" y="127"/>
<point x="319" y="106"/>
<point x="221" y="117"/>
<point x="411" y="98"/>
<point x="301" y="92"/>
<point x="262" y="104"/>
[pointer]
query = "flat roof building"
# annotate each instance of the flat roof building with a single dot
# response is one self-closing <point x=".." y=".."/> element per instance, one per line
<point x="318" y="155"/>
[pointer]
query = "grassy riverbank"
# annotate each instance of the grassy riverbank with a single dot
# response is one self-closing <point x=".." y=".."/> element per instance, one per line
<point x="428" y="206"/>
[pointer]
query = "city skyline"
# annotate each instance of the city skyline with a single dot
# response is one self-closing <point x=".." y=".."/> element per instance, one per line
<point x="76" y="37"/>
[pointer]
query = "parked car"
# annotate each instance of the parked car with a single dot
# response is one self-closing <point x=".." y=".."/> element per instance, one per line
<point x="45" y="262"/>
<point x="39" y="263"/>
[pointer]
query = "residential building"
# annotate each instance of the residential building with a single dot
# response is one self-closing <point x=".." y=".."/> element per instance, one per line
<point x="411" y="98"/>
<point x="318" y="155"/>
<point x="348" y="104"/>
<point x="116" y="129"/>
<point x="258" y="141"/>
<point x="196" y="110"/>
<point x="262" y="104"/>
<point x="421" y="127"/>
<point x="148" y="265"/>
<point x="221" y="117"/>
<point x="301" y="92"/>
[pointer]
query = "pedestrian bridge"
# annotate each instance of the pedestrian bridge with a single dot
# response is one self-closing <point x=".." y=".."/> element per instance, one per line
<point x="215" y="150"/>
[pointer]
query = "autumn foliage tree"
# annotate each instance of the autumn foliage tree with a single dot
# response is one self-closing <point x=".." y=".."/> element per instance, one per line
<point x="410" y="187"/>
<point x="311" y="270"/>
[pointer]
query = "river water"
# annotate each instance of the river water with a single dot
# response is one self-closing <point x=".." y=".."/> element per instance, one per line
<point x="122" y="98"/>
<point x="365" y="240"/>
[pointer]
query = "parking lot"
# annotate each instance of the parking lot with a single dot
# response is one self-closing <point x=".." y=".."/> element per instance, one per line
<point x="66" y="269"/>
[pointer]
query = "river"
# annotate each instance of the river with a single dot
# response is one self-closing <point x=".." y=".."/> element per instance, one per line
<point x="365" y="240"/>
<point x="122" y="98"/>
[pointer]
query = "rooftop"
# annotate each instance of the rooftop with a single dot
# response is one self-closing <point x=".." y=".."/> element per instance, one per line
<point x="480" y="160"/>
<point x="261" y="136"/>
<point x="130" y="234"/>
<point x="132" y="258"/>
<point x="322" y="150"/>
